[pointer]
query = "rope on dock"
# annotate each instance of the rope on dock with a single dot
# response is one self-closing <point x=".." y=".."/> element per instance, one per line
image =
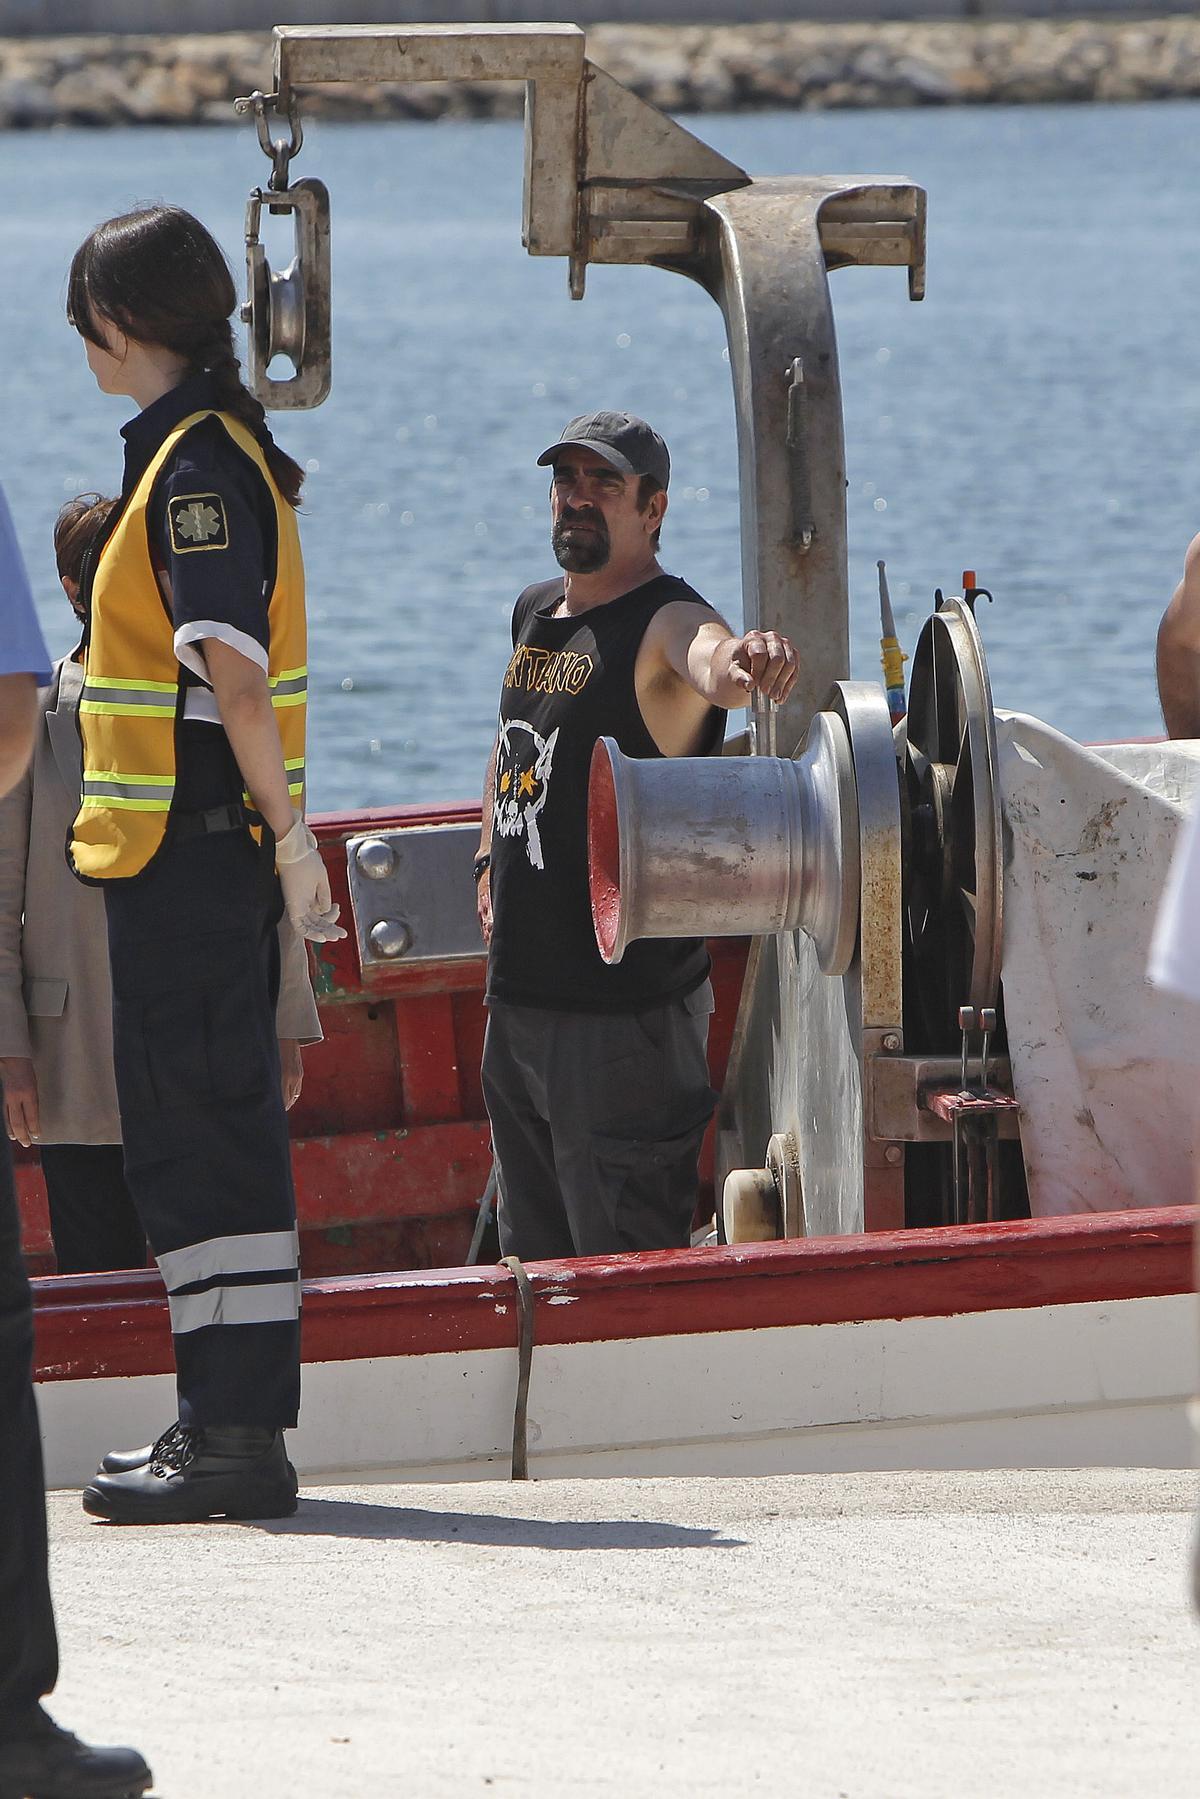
<point x="520" y="1448"/>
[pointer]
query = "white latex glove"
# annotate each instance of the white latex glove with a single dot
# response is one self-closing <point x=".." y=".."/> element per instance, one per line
<point x="306" y="886"/>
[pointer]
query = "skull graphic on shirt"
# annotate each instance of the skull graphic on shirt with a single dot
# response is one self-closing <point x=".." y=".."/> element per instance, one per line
<point x="524" y="760"/>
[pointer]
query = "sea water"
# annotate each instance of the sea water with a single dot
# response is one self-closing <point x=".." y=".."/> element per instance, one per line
<point x="1036" y="418"/>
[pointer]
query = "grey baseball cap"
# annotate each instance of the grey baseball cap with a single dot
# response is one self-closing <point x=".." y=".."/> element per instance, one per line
<point x="627" y="442"/>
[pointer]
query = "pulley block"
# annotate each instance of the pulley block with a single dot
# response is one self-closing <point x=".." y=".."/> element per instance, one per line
<point x="287" y="312"/>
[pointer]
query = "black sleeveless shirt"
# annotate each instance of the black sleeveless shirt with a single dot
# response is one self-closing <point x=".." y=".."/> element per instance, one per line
<point x="569" y="682"/>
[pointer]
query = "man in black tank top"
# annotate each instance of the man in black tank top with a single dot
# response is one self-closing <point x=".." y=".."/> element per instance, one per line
<point x="596" y="1077"/>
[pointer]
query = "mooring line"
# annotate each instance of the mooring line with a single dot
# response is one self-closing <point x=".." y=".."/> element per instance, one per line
<point x="520" y="1446"/>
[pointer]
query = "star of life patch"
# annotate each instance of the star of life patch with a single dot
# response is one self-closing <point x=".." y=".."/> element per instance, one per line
<point x="197" y="522"/>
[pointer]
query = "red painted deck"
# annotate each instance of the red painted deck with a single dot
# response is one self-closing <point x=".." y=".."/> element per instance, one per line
<point x="390" y="1146"/>
<point x="89" y="1326"/>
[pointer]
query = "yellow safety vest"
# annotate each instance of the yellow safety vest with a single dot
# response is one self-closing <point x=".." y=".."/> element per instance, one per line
<point x="133" y="695"/>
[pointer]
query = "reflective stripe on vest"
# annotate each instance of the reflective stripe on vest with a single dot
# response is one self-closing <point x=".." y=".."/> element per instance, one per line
<point x="115" y="697"/>
<point x="141" y="793"/>
<point x="290" y="688"/>
<point x="132" y="698"/>
<point x="295" y="775"/>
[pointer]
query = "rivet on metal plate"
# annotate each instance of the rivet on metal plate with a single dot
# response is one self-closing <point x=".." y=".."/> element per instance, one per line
<point x="391" y="937"/>
<point x="376" y="858"/>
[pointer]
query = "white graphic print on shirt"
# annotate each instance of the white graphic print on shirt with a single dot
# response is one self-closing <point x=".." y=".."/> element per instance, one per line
<point x="524" y="760"/>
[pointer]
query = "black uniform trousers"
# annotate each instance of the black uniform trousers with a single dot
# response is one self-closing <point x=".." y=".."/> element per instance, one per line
<point x="597" y="1121"/>
<point x="93" y="1219"/>
<point x="195" y="976"/>
<point x="28" y="1645"/>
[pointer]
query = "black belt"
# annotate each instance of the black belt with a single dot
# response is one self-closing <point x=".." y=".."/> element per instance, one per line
<point x="216" y="819"/>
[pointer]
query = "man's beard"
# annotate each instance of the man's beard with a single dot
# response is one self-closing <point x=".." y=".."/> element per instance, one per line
<point x="580" y="552"/>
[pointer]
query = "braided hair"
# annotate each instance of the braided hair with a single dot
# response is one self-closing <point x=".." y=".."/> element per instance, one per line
<point x="160" y="277"/>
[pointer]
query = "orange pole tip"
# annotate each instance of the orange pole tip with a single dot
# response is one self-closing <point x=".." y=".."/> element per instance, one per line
<point x="969" y="580"/>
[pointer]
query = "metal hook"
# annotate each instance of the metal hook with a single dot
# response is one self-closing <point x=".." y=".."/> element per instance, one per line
<point x="279" y="150"/>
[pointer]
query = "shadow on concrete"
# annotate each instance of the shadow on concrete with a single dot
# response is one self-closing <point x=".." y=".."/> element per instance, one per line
<point x="402" y="1523"/>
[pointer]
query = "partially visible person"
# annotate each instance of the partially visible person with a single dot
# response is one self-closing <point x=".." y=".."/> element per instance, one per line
<point x="596" y="1077"/>
<point x="1178" y="655"/>
<point x="192" y="716"/>
<point x="38" y="1759"/>
<point x="1175" y="967"/>
<point x="55" y="993"/>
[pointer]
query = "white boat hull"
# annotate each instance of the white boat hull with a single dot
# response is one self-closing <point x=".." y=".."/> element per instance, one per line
<point x="1100" y="1384"/>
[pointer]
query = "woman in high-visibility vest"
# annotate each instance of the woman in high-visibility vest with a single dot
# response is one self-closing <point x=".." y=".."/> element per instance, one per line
<point x="192" y="719"/>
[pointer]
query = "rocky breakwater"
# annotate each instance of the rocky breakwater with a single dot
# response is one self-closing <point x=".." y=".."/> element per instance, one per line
<point x="165" y="80"/>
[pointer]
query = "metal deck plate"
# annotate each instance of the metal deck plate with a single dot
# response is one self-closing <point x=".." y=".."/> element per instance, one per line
<point x="412" y="895"/>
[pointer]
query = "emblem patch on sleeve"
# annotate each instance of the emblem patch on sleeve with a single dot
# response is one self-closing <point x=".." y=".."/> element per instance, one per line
<point x="197" y="522"/>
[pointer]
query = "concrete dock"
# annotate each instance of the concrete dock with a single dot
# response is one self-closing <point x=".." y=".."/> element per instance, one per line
<point x="873" y="1636"/>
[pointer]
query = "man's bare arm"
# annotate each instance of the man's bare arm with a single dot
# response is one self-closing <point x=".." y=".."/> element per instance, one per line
<point x="483" y="887"/>
<point x="489" y="800"/>
<point x="724" y="669"/>
<point x="18" y="716"/>
<point x="1179" y="652"/>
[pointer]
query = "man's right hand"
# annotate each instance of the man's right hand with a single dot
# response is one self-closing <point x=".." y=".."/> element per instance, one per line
<point x="20" y="1099"/>
<point x="483" y="906"/>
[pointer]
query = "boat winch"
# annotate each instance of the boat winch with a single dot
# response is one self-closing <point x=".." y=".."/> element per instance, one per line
<point x="870" y="1081"/>
<point x="870" y="861"/>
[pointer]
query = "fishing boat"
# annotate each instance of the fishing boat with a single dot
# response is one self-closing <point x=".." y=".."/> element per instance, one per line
<point x="911" y="1252"/>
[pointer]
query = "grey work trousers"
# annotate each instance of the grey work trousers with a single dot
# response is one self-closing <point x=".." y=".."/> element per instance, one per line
<point x="597" y="1120"/>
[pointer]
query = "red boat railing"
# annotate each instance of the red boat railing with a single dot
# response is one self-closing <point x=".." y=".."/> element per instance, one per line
<point x="90" y="1326"/>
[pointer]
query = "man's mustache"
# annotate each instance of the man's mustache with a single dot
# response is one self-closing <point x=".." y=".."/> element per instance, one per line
<point x="569" y="516"/>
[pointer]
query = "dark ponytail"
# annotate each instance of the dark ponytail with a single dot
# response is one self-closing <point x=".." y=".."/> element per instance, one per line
<point x="160" y="278"/>
<point x="218" y="356"/>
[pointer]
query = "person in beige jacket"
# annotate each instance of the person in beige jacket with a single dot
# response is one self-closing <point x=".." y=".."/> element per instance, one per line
<point x="55" y="995"/>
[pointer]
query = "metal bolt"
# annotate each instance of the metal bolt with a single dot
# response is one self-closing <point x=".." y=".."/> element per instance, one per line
<point x="893" y="1154"/>
<point x="891" y="1040"/>
<point x="966" y="1024"/>
<point x="987" y="1022"/>
<point x="376" y="857"/>
<point x="391" y="937"/>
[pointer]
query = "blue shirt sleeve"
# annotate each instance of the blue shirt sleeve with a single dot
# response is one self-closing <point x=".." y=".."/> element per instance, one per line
<point x="212" y="525"/>
<point x="22" y="646"/>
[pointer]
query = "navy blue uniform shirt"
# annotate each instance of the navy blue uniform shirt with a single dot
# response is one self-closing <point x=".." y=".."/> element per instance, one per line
<point x="212" y="532"/>
<point x="211" y="526"/>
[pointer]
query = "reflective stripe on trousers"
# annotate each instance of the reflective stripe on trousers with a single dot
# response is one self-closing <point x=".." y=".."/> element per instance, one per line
<point x="212" y="1282"/>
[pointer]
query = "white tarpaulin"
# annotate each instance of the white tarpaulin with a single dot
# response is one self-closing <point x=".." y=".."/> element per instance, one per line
<point x="1105" y="1066"/>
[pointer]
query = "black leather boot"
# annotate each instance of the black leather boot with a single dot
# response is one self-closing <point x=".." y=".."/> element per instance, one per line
<point x="230" y="1471"/>
<point x="120" y="1461"/>
<point x="47" y="1762"/>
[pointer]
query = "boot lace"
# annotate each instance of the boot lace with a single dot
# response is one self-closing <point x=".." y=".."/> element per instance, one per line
<point x="174" y="1450"/>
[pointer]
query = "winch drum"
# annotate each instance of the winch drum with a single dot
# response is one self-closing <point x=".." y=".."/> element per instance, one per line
<point x="727" y="846"/>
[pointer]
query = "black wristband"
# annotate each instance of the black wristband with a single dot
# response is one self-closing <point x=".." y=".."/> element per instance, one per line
<point x="482" y="864"/>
